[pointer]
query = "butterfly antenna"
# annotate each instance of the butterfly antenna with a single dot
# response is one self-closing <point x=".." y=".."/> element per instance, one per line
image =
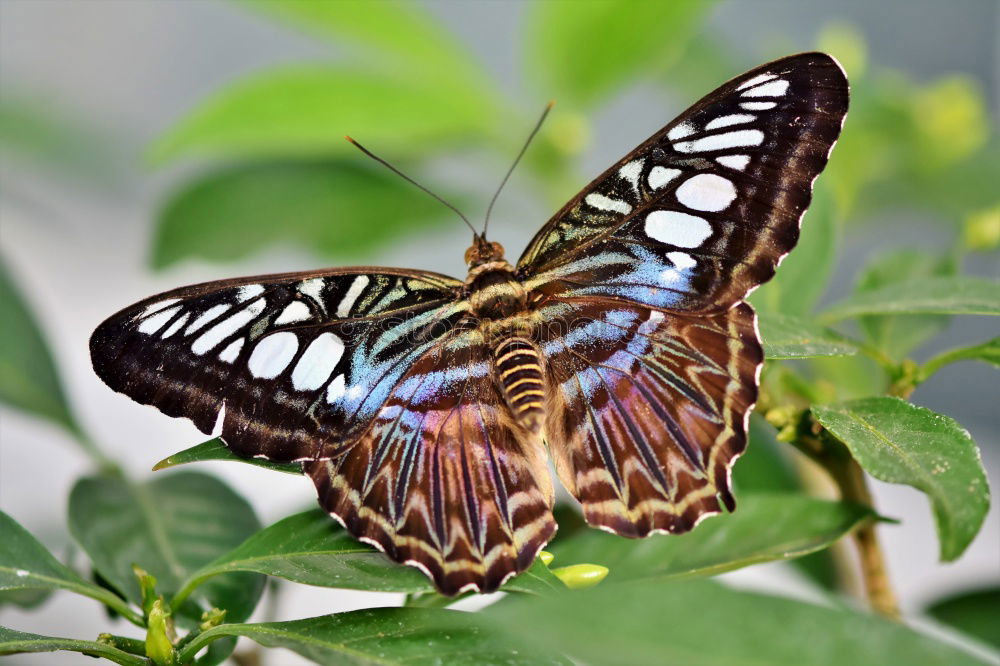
<point x="411" y="181"/>
<point x="524" y="148"/>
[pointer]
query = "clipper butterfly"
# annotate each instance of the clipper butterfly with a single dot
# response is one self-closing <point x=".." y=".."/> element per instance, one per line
<point x="424" y="408"/>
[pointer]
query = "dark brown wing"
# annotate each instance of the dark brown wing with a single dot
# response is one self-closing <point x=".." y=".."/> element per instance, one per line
<point x="648" y="411"/>
<point x="703" y="211"/>
<point x="295" y="362"/>
<point x="444" y="479"/>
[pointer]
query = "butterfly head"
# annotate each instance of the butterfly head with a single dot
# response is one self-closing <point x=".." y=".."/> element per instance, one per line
<point x="483" y="252"/>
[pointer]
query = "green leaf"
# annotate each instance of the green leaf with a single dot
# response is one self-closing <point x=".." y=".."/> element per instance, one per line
<point x="787" y="337"/>
<point x="306" y="110"/>
<point x="762" y="529"/>
<point x="804" y="273"/>
<point x="215" y="449"/>
<point x="947" y="295"/>
<point x="28" y="377"/>
<point x="897" y="336"/>
<point x="583" y="51"/>
<point x="764" y="468"/>
<point x="899" y="442"/>
<point x="310" y="548"/>
<point x="700" y="622"/>
<point x="14" y="642"/>
<point x="987" y="352"/>
<point x="337" y="209"/>
<point x="25" y="564"/>
<point x="385" y="636"/>
<point x="400" y="34"/>
<point x="170" y="526"/>
<point x="976" y="613"/>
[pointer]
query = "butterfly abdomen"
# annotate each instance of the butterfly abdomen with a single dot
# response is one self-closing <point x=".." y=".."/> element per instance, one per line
<point x="519" y="373"/>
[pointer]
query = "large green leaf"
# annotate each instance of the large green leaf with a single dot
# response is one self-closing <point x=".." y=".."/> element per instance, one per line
<point x="946" y="295"/>
<point x="386" y="636"/>
<point x="803" y="274"/>
<point x="787" y="337"/>
<point x="396" y="34"/>
<point x="336" y="209"/>
<point x="215" y="449"/>
<point x="763" y="528"/>
<point x="25" y="564"/>
<point x="582" y="51"/>
<point x="700" y="623"/>
<point x="897" y="336"/>
<point x="976" y="613"/>
<point x="28" y="378"/>
<point x="306" y="110"/>
<point x="310" y="548"/>
<point x="170" y="526"/>
<point x="14" y="642"/>
<point x="898" y="442"/>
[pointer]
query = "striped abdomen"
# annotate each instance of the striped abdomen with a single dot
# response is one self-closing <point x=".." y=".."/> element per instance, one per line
<point x="519" y="372"/>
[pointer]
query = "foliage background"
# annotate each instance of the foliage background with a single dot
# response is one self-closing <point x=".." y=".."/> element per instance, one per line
<point x="87" y="87"/>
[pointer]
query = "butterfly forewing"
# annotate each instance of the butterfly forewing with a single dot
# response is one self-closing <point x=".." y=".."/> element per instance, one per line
<point x="296" y="362"/>
<point x="703" y="211"/>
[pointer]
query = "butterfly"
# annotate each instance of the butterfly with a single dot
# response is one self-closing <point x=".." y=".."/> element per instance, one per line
<point x="425" y="408"/>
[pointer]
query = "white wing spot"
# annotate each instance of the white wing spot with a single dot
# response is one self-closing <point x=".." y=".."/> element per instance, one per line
<point x="631" y="172"/>
<point x="655" y="316"/>
<point x="680" y="131"/>
<point x="731" y="119"/>
<point x="758" y="106"/>
<point x="293" y="312"/>
<point x="738" y="162"/>
<point x="273" y="354"/>
<point x="660" y="176"/>
<point x="601" y="202"/>
<point x="678" y="229"/>
<point x="681" y="260"/>
<point x="213" y="336"/>
<point x="347" y="302"/>
<point x="156" y="322"/>
<point x="230" y="353"/>
<point x="248" y="291"/>
<point x="150" y="309"/>
<point x="313" y="288"/>
<point x="176" y="326"/>
<point x="706" y="191"/>
<point x="760" y="78"/>
<point x="775" y="88"/>
<point x="736" y="139"/>
<point x="207" y="316"/>
<point x="335" y="391"/>
<point x="317" y="362"/>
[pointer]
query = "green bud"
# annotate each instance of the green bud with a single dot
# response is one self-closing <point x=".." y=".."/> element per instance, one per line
<point x="546" y="557"/>
<point x="581" y="576"/>
<point x="159" y="634"/>
<point x="212" y="618"/>
<point x="981" y="230"/>
<point x="147" y="583"/>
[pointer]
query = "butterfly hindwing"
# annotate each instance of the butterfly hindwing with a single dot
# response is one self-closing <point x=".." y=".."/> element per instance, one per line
<point x="292" y="360"/>
<point x="648" y="410"/>
<point x="703" y="211"/>
<point x="443" y="478"/>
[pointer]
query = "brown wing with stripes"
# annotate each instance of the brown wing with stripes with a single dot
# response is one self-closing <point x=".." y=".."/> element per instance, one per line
<point x="648" y="410"/>
<point x="444" y="479"/>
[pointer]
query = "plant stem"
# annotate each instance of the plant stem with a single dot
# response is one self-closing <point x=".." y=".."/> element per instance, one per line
<point x="853" y="486"/>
